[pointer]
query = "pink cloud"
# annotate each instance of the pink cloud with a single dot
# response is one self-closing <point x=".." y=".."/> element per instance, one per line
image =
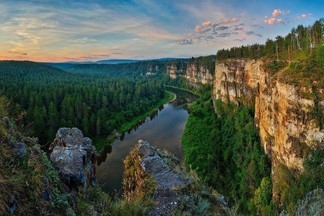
<point x="232" y="20"/>
<point x="202" y="26"/>
<point x="206" y="24"/>
<point x="270" y="21"/>
<point x="198" y="28"/>
<point x="276" y="12"/>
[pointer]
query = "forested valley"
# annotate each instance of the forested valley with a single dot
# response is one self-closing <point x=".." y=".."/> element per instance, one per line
<point x="51" y="98"/>
<point x="220" y="142"/>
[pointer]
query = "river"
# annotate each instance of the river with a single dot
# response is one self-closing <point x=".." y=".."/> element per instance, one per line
<point x="163" y="130"/>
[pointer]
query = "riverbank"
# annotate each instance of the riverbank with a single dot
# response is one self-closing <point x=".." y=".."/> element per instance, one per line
<point x="183" y="89"/>
<point x="129" y="125"/>
<point x="101" y="142"/>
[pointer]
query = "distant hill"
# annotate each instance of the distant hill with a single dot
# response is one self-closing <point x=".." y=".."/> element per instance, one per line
<point x="116" y="61"/>
<point x="112" y="61"/>
<point x="26" y="70"/>
<point x="119" y="67"/>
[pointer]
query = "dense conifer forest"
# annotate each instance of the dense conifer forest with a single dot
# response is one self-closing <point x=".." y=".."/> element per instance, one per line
<point x="52" y="98"/>
<point x="302" y="38"/>
<point x="226" y="152"/>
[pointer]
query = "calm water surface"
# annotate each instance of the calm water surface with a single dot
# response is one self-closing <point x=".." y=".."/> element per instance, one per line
<point x="163" y="130"/>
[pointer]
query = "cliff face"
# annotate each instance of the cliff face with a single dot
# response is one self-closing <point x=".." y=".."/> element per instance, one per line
<point x="196" y="70"/>
<point x="284" y="113"/>
<point x="196" y="73"/>
<point x="173" y="71"/>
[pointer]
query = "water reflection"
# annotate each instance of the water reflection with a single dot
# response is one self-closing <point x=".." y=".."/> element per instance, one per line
<point x="163" y="129"/>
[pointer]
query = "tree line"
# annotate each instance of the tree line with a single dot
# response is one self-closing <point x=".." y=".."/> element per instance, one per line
<point x="53" y="98"/>
<point x="301" y="39"/>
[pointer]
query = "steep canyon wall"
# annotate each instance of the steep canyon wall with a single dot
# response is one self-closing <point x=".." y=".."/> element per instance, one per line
<point x="196" y="70"/>
<point x="284" y="113"/>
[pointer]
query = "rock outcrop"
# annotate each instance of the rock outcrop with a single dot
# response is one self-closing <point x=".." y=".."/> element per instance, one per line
<point x="196" y="70"/>
<point x="196" y="73"/>
<point x="173" y="191"/>
<point x="312" y="204"/>
<point x="165" y="178"/>
<point x="74" y="157"/>
<point x="283" y="114"/>
<point x="154" y="165"/>
<point x="173" y="71"/>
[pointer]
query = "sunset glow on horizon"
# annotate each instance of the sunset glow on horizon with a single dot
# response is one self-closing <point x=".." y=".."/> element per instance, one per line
<point x="60" y="31"/>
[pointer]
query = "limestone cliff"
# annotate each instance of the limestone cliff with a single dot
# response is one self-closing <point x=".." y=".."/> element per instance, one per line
<point x="198" y="70"/>
<point x="175" y="69"/>
<point x="284" y="113"/>
<point x="198" y="73"/>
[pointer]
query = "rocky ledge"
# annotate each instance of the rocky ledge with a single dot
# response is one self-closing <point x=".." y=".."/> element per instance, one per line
<point x="175" y="192"/>
<point x="165" y="178"/>
<point x="74" y="157"/>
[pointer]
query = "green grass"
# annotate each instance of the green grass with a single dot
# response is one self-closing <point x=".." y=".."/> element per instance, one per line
<point x="101" y="142"/>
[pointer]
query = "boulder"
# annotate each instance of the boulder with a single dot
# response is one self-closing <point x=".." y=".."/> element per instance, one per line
<point x="74" y="157"/>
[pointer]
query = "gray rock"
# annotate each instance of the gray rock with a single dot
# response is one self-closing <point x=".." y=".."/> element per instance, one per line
<point x="312" y="204"/>
<point x="167" y="201"/>
<point x="166" y="179"/>
<point x="74" y="157"/>
<point x="145" y="149"/>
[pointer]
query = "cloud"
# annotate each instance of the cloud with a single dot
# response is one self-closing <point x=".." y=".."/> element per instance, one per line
<point x="222" y="28"/>
<point x="238" y="29"/>
<point x="239" y="40"/>
<point x="84" y="40"/>
<point x="18" y="53"/>
<point x="253" y="33"/>
<point x="206" y="24"/>
<point x="257" y="26"/>
<point x="202" y="26"/>
<point x="276" y="12"/>
<point x="224" y="34"/>
<point x="184" y="41"/>
<point x="48" y="29"/>
<point x="94" y="57"/>
<point x="208" y="31"/>
<point x="304" y="15"/>
<point x="276" y="17"/>
<point x="270" y="21"/>
<point x="231" y="20"/>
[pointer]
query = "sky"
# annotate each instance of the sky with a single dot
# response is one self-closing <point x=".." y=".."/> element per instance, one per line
<point x="91" y="30"/>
